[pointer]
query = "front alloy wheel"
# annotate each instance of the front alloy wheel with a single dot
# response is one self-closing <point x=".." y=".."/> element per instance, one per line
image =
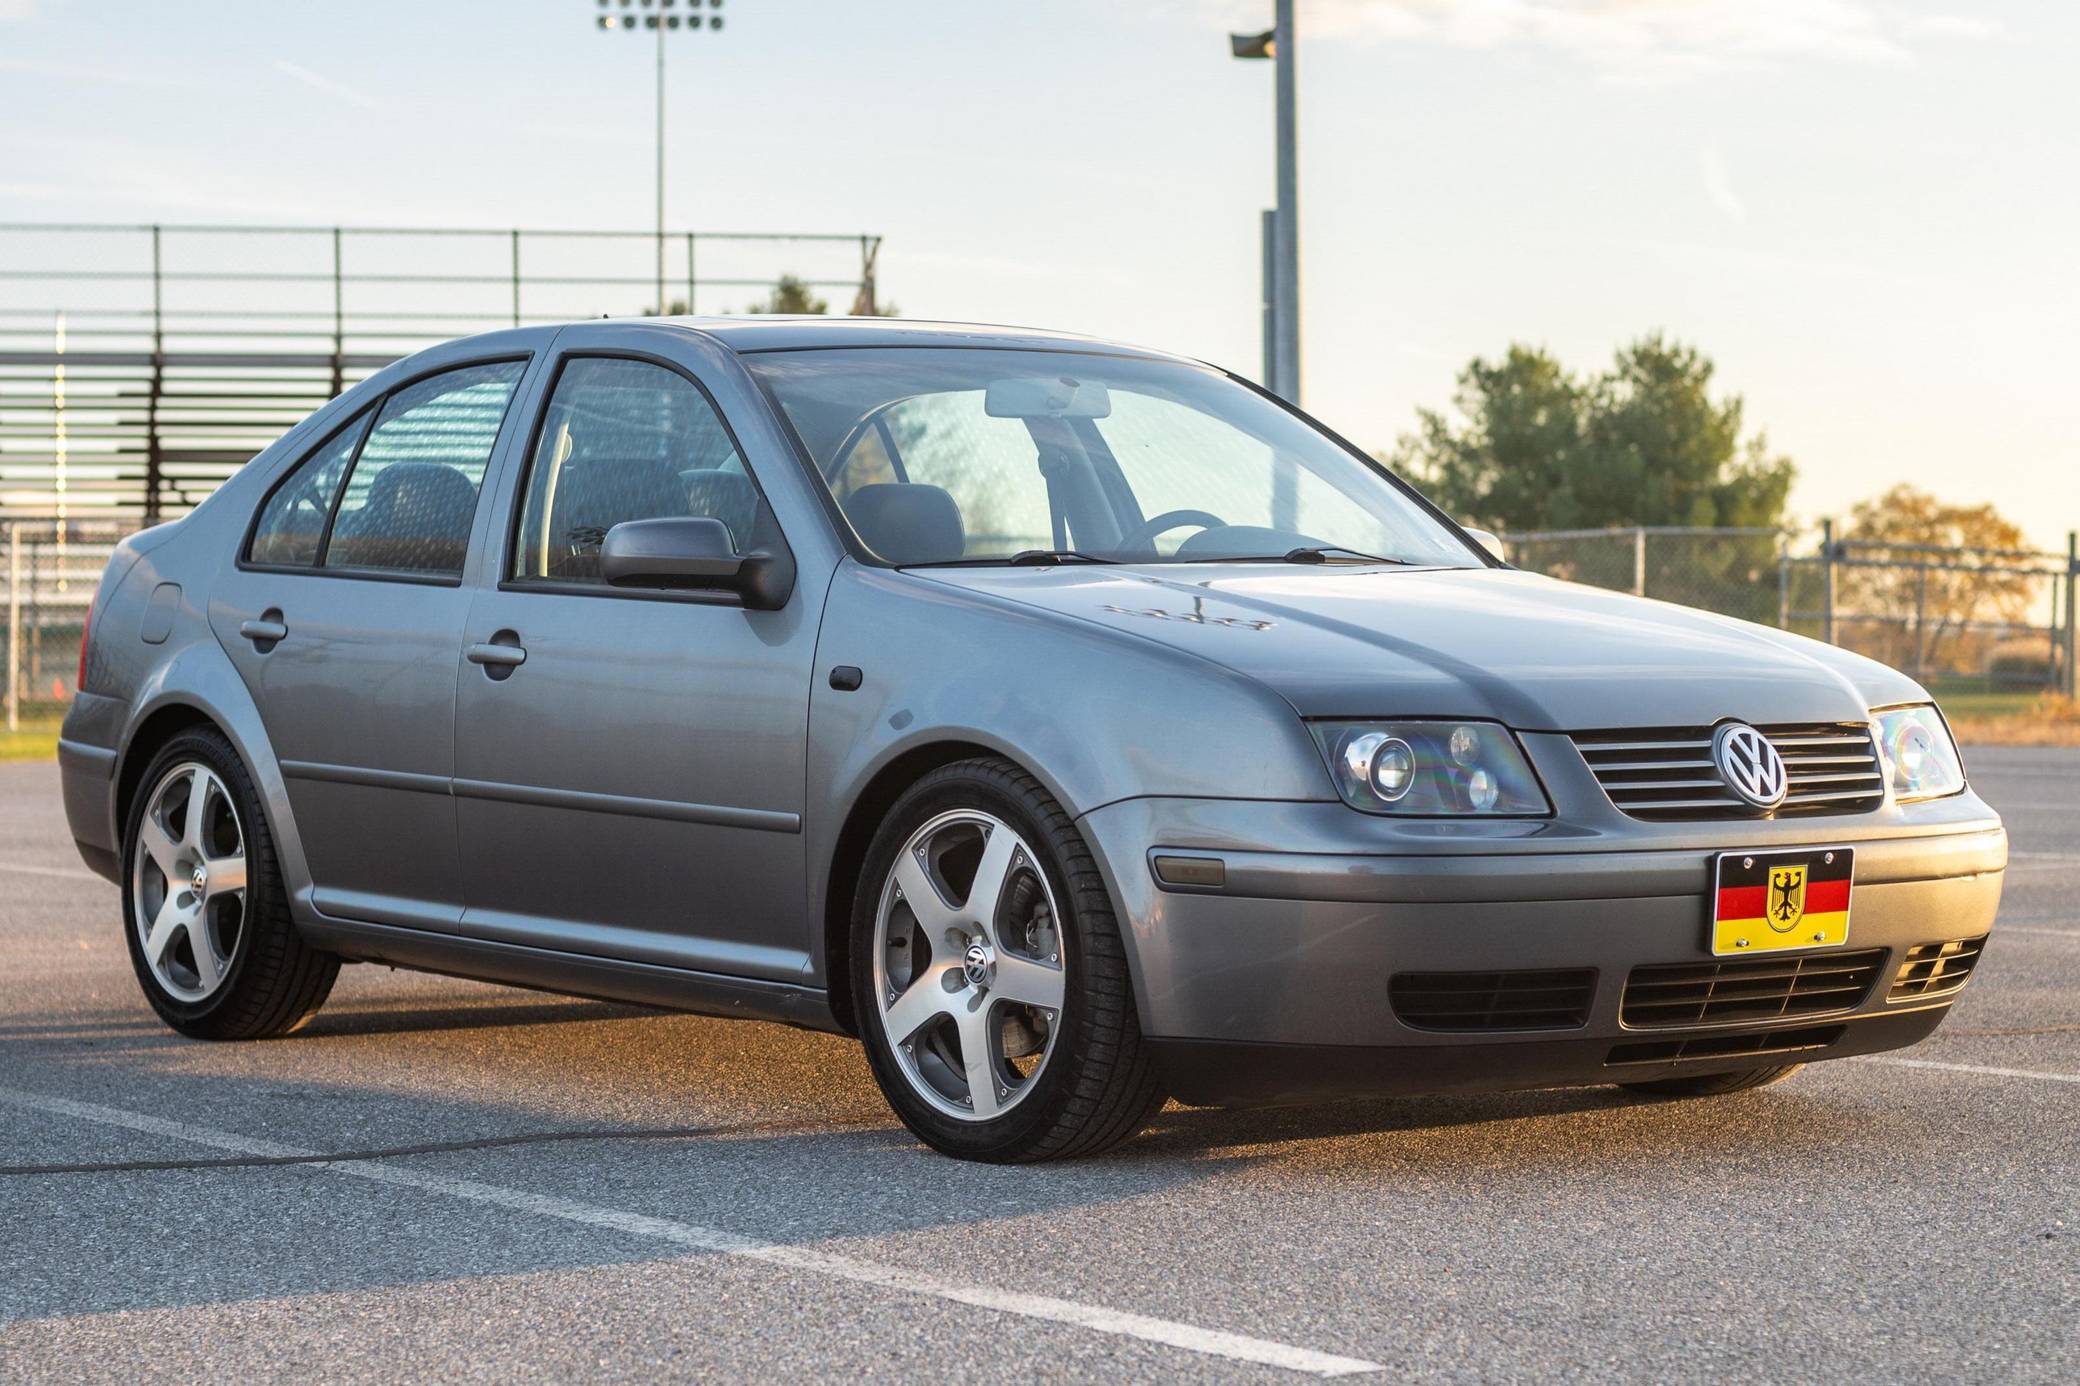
<point x="968" y="965"/>
<point x="989" y="979"/>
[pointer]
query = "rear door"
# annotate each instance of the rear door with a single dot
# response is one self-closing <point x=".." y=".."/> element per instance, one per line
<point x="629" y="764"/>
<point x="344" y="614"/>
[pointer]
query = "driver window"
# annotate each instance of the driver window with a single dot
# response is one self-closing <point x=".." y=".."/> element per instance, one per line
<point x="627" y="440"/>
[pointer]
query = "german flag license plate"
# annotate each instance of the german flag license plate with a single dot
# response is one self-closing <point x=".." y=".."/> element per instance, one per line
<point x="1769" y="902"/>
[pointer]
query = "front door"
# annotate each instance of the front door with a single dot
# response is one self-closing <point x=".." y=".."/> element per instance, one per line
<point x="629" y="765"/>
<point x="343" y="617"/>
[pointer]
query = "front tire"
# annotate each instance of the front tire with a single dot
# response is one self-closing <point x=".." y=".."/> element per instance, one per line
<point x="204" y="909"/>
<point x="1713" y="1084"/>
<point x="989" y="977"/>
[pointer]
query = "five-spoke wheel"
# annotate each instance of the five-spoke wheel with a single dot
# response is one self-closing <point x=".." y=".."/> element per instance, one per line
<point x="968" y="964"/>
<point x="207" y="919"/>
<point x="188" y="884"/>
<point x="989" y="979"/>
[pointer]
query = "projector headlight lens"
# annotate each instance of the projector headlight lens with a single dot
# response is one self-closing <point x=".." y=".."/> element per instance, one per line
<point x="1920" y="757"/>
<point x="1431" y="769"/>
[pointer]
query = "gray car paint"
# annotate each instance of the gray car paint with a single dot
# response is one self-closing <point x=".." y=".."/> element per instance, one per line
<point x="1162" y="706"/>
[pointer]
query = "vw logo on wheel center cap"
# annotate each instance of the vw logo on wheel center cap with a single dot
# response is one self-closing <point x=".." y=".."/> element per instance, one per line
<point x="198" y="879"/>
<point x="978" y="963"/>
<point x="1750" y="766"/>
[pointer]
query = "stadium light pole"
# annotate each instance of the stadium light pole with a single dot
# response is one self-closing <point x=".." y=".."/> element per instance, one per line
<point x="661" y="17"/>
<point x="1277" y="43"/>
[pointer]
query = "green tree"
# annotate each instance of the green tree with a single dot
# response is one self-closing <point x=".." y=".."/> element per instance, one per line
<point x="1507" y="462"/>
<point x="791" y="295"/>
<point x="1643" y="443"/>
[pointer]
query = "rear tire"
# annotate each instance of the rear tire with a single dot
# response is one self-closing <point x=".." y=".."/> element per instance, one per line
<point x="204" y="909"/>
<point x="1713" y="1084"/>
<point x="1021" y="990"/>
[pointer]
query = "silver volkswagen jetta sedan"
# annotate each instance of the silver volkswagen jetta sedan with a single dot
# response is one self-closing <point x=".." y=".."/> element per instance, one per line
<point x="1074" y="724"/>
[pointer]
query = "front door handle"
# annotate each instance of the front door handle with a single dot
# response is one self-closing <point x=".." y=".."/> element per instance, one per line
<point x="500" y="655"/>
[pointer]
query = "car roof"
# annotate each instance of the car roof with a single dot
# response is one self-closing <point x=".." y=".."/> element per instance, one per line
<point x="780" y="332"/>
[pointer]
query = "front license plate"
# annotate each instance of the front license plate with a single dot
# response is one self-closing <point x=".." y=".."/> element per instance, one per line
<point x="1768" y="902"/>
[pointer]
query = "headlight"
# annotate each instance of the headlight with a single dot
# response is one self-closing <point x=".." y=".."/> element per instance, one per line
<point x="1430" y="769"/>
<point x="1919" y="755"/>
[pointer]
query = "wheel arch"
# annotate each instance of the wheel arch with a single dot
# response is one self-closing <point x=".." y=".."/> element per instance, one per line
<point x="199" y="687"/>
<point x="159" y="726"/>
<point x="849" y="850"/>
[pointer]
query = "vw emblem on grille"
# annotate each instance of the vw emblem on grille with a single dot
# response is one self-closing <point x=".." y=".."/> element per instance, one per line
<point x="1750" y="766"/>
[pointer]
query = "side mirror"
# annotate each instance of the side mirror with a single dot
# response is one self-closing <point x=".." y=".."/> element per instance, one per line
<point x="694" y="553"/>
<point x="1487" y="539"/>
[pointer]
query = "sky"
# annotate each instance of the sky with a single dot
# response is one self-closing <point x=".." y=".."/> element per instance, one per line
<point x="1867" y="212"/>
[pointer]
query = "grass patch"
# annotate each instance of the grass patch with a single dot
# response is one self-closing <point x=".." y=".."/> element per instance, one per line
<point x="2043" y="720"/>
<point x="1956" y="705"/>
<point x="37" y="739"/>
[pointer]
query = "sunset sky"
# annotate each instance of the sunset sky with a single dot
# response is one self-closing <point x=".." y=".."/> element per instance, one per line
<point x="1866" y="211"/>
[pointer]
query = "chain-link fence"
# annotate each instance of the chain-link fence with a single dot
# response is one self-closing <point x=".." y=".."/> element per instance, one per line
<point x="49" y="570"/>
<point x="1960" y="620"/>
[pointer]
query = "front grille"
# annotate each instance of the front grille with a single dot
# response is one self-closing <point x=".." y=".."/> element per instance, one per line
<point x="1936" y="969"/>
<point x="1545" y="1000"/>
<point x="1830" y="767"/>
<point x="1735" y="1046"/>
<point x="1669" y="995"/>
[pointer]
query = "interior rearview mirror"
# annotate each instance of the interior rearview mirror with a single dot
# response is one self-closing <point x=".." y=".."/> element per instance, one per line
<point x="694" y="553"/>
<point x="1047" y="397"/>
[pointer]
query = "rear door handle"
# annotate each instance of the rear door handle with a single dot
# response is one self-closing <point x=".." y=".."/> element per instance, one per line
<point x="265" y="632"/>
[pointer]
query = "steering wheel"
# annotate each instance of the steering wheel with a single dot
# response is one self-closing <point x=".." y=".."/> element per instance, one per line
<point x="1145" y="536"/>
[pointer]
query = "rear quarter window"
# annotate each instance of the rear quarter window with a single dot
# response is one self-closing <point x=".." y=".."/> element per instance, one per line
<point x="292" y="523"/>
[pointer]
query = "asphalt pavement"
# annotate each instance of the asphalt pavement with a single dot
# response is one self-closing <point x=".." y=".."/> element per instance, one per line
<point x="525" y="1187"/>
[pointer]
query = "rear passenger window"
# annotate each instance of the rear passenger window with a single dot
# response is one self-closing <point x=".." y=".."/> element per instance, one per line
<point x="292" y="523"/>
<point x="412" y="493"/>
<point x="627" y="440"/>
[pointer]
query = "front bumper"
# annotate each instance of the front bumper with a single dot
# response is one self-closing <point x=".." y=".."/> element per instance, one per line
<point x="1274" y="985"/>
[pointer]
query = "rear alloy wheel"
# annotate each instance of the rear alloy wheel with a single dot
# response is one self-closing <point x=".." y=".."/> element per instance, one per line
<point x="207" y="920"/>
<point x="188" y="885"/>
<point x="1713" y="1084"/>
<point x="991" y="983"/>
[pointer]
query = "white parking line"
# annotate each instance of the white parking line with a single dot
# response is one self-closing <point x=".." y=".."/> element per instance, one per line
<point x="2025" y="929"/>
<point x="1980" y="1069"/>
<point x="1211" y="1342"/>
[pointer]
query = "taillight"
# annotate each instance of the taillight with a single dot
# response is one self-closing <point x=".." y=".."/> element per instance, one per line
<point x="86" y="628"/>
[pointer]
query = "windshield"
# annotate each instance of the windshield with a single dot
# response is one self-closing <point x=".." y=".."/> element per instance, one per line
<point x="948" y="455"/>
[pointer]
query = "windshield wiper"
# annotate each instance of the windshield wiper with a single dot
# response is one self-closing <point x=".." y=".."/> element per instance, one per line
<point x="1320" y="554"/>
<point x="1050" y="557"/>
<point x="1031" y="558"/>
<point x="1317" y="553"/>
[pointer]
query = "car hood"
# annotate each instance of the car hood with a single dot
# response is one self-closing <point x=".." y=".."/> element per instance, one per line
<point x="1534" y="653"/>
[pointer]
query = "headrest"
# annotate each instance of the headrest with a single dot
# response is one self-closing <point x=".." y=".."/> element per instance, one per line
<point x="421" y="498"/>
<point x="908" y="522"/>
<point x="729" y="497"/>
<point x="601" y="492"/>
